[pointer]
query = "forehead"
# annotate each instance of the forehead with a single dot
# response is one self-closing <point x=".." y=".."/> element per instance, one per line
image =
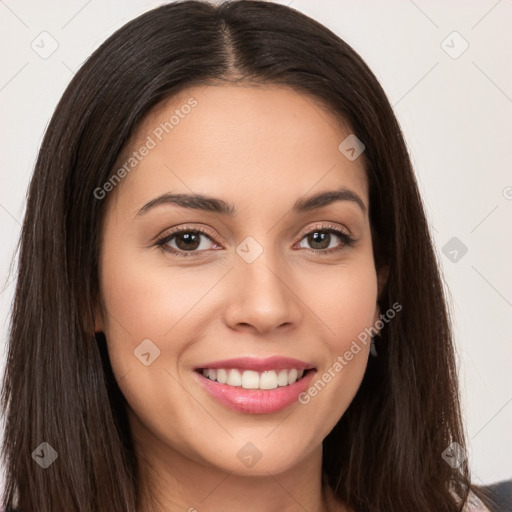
<point x="251" y="142"/>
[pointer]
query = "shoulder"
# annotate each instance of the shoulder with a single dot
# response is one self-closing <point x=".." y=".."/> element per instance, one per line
<point x="474" y="504"/>
<point x="497" y="496"/>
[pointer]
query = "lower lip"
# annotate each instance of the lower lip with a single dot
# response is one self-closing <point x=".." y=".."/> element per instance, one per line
<point x="256" y="401"/>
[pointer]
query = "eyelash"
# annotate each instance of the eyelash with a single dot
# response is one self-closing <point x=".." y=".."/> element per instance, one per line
<point x="346" y="240"/>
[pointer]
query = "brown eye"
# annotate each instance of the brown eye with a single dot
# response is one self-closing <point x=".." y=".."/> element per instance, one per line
<point x="188" y="240"/>
<point x="183" y="241"/>
<point x="319" y="239"/>
<point x="323" y="240"/>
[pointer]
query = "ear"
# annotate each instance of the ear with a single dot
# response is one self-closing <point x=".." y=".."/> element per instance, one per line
<point x="382" y="278"/>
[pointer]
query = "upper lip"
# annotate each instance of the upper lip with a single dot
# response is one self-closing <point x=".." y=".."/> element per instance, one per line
<point x="257" y="364"/>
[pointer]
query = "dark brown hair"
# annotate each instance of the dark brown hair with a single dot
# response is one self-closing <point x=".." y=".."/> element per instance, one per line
<point x="385" y="453"/>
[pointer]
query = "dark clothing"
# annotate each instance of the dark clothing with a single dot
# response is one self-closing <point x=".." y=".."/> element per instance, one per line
<point x="500" y="496"/>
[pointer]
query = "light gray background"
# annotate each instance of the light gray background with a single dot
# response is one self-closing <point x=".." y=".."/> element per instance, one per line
<point x="456" y="116"/>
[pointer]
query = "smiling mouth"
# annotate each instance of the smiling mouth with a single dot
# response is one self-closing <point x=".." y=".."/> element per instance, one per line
<point x="250" y="379"/>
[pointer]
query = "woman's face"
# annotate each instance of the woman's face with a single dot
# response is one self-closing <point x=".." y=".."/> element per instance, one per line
<point x="267" y="284"/>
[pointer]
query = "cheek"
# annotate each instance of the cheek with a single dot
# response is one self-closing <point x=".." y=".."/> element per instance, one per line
<point x="144" y="298"/>
<point x="148" y="301"/>
<point x="345" y="303"/>
<point x="146" y="309"/>
<point x="343" y="299"/>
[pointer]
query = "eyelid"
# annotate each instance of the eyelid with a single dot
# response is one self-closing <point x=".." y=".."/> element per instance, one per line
<point x="191" y="227"/>
<point x="207" y="230"/>
<point x="186" y="227"/>
<point x="325" y="226"/>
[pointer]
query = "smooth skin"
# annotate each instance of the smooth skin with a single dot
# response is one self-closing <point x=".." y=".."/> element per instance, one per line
<point x="258" y="148"/>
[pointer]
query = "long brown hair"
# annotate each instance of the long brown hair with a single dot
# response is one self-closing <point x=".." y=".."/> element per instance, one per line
<point x="386" y="452"/>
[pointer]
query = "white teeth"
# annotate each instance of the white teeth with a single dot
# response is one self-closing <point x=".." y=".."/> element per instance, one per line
<point x="249" y="379"/>
<point x="282" y="378"/>
<point x="222" y="376"/>
<point x="234" y="378"/>
<point x="268" y="380"/>
<point x="292" y="376"/>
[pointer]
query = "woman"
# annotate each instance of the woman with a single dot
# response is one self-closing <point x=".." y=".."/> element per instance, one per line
<point x="228" y="297"/>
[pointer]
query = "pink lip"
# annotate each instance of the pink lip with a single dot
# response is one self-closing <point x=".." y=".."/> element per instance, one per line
<point x="259" y="365"/>
<point x="255" y="401"/>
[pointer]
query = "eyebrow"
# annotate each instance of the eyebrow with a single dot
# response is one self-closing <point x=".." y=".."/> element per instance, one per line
<point x="214" y="205"/>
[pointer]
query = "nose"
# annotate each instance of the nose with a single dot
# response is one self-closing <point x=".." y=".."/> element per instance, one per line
<point x="262" y="295"/>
